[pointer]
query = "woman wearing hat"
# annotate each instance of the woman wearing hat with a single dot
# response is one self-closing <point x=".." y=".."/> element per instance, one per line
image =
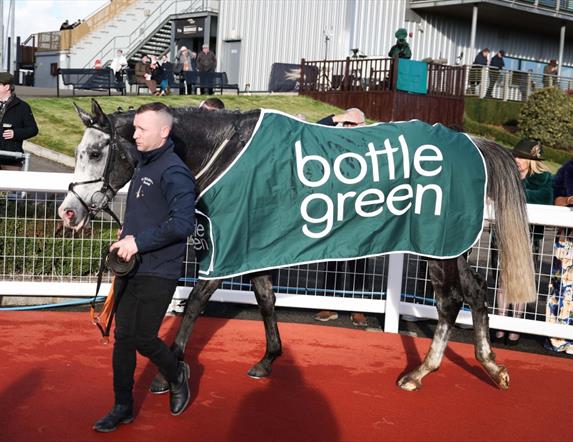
<point x="538" y="186"/>
<point x="559" y="307"/>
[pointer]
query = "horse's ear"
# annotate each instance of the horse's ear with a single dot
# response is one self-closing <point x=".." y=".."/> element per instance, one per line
<point x="84" y="116"/>
<point x="99" y="116"/>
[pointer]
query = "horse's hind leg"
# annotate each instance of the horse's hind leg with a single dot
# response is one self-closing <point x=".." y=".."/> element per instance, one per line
<point x="196" y="303"/>
<point x="474" y="288"/>
<point x="263" y="287"/>
<point x="445" y="280"/>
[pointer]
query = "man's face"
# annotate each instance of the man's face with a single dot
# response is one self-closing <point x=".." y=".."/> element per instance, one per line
<point x="151" y="131"/>
<point x="4" y="89"/>
<point x="205" y="50"/>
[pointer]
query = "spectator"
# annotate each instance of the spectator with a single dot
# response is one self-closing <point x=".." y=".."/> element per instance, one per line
<point x="206" y="62"/>
<point x="65" y="25"/>
<point x="538" y="184"/>
<point x="212" y="104"/>
<point x="550" y="74"/>
<point x="482" y="59"/>
<point x="158" y="75"/>
<point x="495" y="67"/>
<point x="118" y="65"/>
<point x="559" y="308"/>
<point x="350" y="118"/>
<point x="401" y="49"/>
<point x="143" y="74"/>
<point x="188" y="62"/>
<point x="167" y="67"/>
<point x="18" y="123"/>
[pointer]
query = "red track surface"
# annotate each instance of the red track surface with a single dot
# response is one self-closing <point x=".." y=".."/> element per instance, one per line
<point x="331" y="384"/>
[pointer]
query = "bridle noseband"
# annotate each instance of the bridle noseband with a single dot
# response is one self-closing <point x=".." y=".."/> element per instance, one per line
<point x="107" y="191"/>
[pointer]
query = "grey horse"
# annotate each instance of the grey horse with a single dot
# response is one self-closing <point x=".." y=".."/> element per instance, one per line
<point x="105" y="160"/>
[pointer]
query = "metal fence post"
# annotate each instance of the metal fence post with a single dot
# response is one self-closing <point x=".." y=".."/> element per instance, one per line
<point x="393" y="292"/>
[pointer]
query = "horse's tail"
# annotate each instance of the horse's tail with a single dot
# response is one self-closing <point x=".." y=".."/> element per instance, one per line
<point x="505" y="190"/>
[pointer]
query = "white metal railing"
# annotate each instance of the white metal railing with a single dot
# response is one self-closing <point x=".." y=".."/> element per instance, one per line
<point x="490" y="82"/>
<point x="395" y="284"/>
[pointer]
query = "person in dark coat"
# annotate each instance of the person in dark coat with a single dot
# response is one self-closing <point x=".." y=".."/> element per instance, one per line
<point x="159" y="216"/>
<point x="206" y="62"/>
<point x="482" y="59"/>
<point x="495" y="67"/>
<point x="18" y="123"/>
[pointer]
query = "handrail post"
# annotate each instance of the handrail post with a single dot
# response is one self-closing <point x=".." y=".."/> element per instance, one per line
<point x="301" y="85"/>
<point x="58" y="83"/>
<point x="393" y="292"/>
<point x="346" y="83"/>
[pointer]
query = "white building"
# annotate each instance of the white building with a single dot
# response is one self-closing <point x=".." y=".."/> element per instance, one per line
<point x="248" y="36"/>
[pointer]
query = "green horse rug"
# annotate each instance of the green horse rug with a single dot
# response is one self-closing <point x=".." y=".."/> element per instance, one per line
<point x="302" y="193"/>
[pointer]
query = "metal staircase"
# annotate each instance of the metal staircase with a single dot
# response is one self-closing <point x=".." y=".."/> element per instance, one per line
<point x="157" y="44"/>
<point x="152" y="35"/>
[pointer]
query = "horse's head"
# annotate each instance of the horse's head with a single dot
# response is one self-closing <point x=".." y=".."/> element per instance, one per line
<point x="105" y="160"/>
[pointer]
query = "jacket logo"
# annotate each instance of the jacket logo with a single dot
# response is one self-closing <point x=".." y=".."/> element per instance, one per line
<point x="144" y="181"/>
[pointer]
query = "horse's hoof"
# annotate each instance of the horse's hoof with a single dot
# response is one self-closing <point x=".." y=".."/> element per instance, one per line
<point x="259" y="371"/>
<point x="409" y="384"/>
<point x="502" y="378"/>
<point x="159" y="385"/>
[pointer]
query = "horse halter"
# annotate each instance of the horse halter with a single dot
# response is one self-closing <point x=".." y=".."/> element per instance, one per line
<point x="107" y="191"/>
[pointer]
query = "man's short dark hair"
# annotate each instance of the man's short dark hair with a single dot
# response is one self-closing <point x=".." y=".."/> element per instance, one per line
<point x="155" y="106"/>
<point x="158" y="107"/>
<point x="213" y="103"/>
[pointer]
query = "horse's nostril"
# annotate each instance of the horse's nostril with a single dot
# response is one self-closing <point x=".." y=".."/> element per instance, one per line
<point x="70" y="214"/>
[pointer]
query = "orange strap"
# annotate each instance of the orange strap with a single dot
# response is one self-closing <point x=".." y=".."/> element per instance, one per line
<point x="103" y="319"/>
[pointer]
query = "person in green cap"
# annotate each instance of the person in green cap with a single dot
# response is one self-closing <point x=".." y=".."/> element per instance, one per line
<point x="18" y="123"/>
<point x="401" y="49"/>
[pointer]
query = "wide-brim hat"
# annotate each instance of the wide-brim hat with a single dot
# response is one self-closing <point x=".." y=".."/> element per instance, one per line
<point x="528" y="149"/>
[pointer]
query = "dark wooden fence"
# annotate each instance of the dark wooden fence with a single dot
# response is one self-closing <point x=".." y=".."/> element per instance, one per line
<point x="370" y="84"/>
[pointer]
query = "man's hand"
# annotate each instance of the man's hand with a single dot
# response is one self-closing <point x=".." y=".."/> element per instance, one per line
<point x="126" y="247"/>
<point x="8" y="134"/>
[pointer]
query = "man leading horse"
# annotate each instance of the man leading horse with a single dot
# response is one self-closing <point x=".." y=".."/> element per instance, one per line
<point x="159" y="217"/>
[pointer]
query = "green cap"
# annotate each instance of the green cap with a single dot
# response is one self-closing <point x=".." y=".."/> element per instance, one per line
<point x="6" y="78"/>
<point x="401" y="33"/>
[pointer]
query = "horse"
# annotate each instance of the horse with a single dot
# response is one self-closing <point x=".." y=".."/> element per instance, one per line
<point x="208" y="141"/>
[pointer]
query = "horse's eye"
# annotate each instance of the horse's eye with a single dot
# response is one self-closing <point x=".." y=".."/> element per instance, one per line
<point x="95" y="155"/>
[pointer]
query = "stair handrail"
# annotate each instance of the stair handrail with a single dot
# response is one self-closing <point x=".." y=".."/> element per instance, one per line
<point x="133" y="40"/>
<point x="69" y="37"/>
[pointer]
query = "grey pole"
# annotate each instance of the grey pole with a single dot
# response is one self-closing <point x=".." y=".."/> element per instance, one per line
<point x="207" y="30"/>
<point x="12" y="48"/>
<point x="473" y="31"/>
<point x="172" y="43"/>
<point x="561" y="48"/>
<point x="1" y="34"/>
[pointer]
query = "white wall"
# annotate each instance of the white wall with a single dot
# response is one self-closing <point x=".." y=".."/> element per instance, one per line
<point x="286" y="31"/>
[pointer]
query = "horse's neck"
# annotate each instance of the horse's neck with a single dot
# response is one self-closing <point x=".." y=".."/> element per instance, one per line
<point x="212" y="147"/>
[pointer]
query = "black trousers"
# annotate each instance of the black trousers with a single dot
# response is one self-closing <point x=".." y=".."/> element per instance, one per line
<point x="139" y="315"/>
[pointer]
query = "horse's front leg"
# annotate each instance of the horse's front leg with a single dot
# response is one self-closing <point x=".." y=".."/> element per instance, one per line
<point x="475" y="289"/>
<point x="196" y="303"/>
<point x="263" y="287"/>
<point x="445" y="280"/>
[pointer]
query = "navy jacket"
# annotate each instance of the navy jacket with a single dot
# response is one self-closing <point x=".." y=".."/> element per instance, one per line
<point x="19" y="118"/>
<point x="160" y="211"/>
<point x="563" y="182"/>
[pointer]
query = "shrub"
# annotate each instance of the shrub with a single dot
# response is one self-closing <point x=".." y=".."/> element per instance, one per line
<point x="500" y="113"/>
<point x="547" y="116"/>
